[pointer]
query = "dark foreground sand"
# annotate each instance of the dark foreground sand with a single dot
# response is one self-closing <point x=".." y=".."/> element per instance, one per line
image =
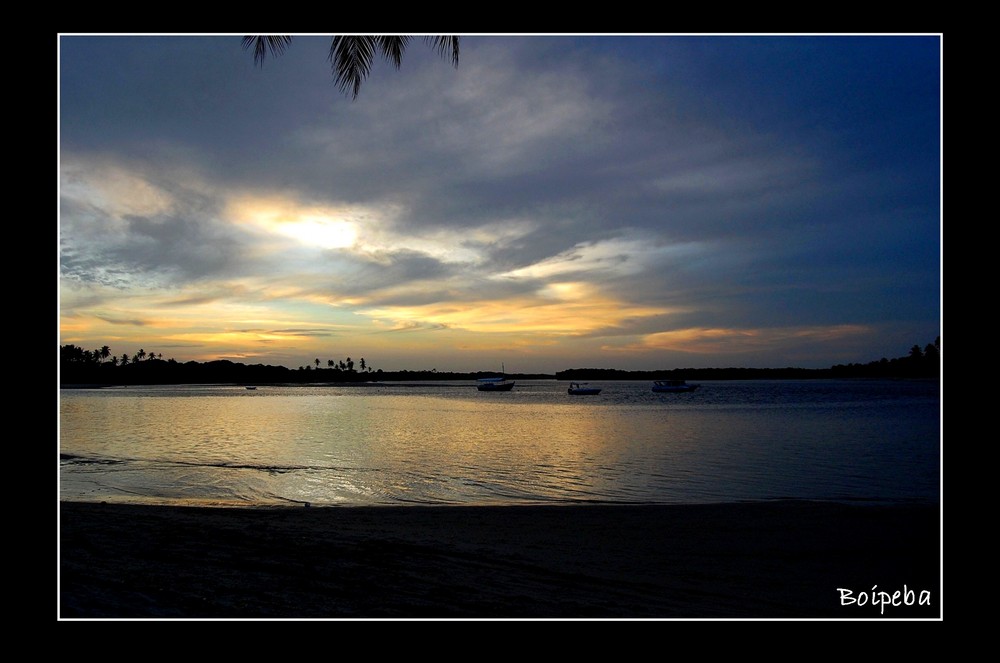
<point x="765" y="560"/>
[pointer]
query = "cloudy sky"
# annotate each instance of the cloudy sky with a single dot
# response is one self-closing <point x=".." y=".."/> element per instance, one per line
<point x="637" y="202"/>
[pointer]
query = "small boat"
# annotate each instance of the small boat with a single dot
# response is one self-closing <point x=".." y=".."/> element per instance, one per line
<point x="579" y="389"/>
<point x="673" y="386"/>
<point x="251" y="388"/>
<point x="495" y="384"/>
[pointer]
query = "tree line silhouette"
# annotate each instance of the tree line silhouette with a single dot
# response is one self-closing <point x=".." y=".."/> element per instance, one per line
<point x="80" y="367"/>
<point x="100" y="366"/>
<point x="919" y="363"/>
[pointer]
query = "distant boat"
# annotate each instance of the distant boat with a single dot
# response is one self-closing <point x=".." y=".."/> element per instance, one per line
<point x="495" y="384"/>
<point x="251" y="388"/>
<point x="673" y="386"/>
<point x="578" y="389"/>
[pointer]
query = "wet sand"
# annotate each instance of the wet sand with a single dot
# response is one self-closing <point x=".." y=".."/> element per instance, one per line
<point x="776" y="560"/>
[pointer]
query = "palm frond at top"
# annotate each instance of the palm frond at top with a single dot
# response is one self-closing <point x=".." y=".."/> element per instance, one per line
<point x="392" y="48"/>
<point x="351" y="57"/>
<point x="264" y="44"/>
<point x="445" y="46"/>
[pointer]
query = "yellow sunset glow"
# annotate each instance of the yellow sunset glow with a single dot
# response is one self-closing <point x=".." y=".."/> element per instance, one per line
<point x="563" y="309"/>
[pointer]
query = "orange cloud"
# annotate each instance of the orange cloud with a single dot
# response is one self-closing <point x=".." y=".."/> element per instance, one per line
<point x="567" y="309"/>
<point x="741" y="341"/>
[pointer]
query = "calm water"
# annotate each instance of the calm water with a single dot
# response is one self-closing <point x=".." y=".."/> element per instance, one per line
<point x="450" y="444"/>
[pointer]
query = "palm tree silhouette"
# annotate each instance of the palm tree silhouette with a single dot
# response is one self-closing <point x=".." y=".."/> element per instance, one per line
<point x="352" y="56"/>
<point x="105" y="352"/>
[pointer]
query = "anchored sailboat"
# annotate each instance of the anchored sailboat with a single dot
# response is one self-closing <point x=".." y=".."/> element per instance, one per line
<point x="500" y="383"/>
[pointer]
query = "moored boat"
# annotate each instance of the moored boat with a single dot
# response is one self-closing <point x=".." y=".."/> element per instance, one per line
<point x="580" y="389"/>
<point x="500" y="383"/>
<point x="673" y="386"/>
<point x="495" y="384"/>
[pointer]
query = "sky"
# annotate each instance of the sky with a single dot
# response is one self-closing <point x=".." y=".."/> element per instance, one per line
<point x="640" y="202"/>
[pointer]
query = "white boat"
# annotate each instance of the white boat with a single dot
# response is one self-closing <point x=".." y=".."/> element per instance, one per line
<point x="495" y="384"/>
<point x="580" y="389"/>
<point x="673" y="386"/>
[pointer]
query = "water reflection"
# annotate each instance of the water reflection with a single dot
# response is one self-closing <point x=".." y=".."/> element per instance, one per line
<point x="728" y="441"/>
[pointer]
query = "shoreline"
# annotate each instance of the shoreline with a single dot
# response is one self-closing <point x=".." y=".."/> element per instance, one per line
<point x="747" y="560"/>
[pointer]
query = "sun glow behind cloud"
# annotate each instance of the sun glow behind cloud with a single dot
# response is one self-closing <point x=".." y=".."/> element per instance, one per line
<point x="317" y="227"/>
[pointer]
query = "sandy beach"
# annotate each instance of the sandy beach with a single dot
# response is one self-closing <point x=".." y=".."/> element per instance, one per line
<point x="776" y="560"/>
